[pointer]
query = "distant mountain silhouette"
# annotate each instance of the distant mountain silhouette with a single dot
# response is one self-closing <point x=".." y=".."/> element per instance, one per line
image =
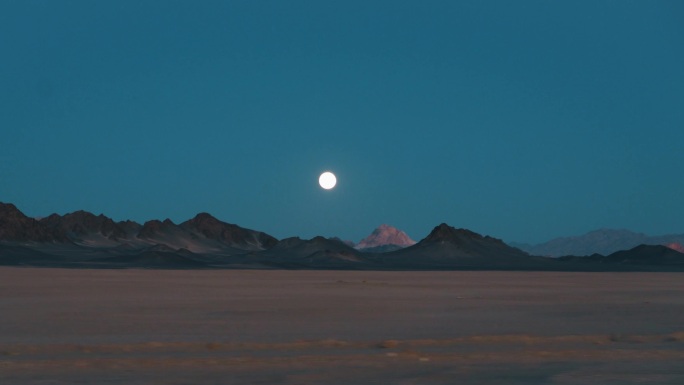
<point x="385" y="238"/>
<point x="84" y="240"/>
<point x="604" y="242"/>
<point x="648" y="255"/>
<point x="651" y="255"/>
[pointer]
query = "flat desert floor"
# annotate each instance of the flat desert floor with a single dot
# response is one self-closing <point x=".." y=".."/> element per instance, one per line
<point x="61" y="326"/>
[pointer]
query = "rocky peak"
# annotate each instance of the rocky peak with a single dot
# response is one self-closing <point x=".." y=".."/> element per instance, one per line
<point x="150" y="228"/>
<point x="446" y="233"/>
<point x="15" y="226"/>
<point x="9" y="211"/>
<point x="319" y="239"/>
<point x="203" y="217"/>
<point x="385" y="235"/>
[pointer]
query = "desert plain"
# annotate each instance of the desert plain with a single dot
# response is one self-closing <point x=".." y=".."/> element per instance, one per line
<point x="138" y="326"/>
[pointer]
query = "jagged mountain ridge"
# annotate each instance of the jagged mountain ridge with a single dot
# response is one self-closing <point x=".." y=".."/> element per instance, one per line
<point x="203" y="233"/>
<point x="15" y="226"/>
<point x="82" y="239"/>
<point x="81" y="226"/>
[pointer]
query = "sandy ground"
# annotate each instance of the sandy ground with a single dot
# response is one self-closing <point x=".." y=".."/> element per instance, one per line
<point x="61" y="326"/>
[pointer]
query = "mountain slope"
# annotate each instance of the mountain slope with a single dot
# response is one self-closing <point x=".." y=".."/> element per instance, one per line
<point x="228" y="234"/>
<point x="647" y="254"/>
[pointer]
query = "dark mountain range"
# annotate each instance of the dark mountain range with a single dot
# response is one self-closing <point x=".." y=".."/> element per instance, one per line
<point x="82" y="239"/>
<point x="649" y="255"/>
<point x="168" y="233"/>
<point x="84" y="226"/>
<point x="205" y="234"/>
<point x="15" y="226"/>
<point x="100" y="234"/>
<point x="228" y="234"/>
<point x="301" y="247"/>
<point x="604" y="242"/>
<point x="155" y="228"/>
<point x="461" y="248"/>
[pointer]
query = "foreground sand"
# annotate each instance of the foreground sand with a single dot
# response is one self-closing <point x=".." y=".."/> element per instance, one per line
<point x="328" y="327"/>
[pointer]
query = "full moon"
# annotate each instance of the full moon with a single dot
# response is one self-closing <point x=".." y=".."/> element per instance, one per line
<point x="327" y="180"/>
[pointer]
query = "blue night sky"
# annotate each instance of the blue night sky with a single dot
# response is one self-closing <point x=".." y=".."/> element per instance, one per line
<point x="524" y="120"/>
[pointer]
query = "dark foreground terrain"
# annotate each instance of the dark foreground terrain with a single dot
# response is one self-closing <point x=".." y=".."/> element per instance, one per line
<point x="70" y="326"/>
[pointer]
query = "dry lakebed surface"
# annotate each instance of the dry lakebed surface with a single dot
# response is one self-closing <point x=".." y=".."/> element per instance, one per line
<point x="64" y="326"/>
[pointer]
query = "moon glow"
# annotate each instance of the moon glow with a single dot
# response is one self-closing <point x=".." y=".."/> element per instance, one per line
<point x="327" y="180"/>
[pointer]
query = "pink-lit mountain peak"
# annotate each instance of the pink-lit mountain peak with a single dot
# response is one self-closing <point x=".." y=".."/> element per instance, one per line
<point x="676" y="246"/>
<point x="385" y="235"/>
